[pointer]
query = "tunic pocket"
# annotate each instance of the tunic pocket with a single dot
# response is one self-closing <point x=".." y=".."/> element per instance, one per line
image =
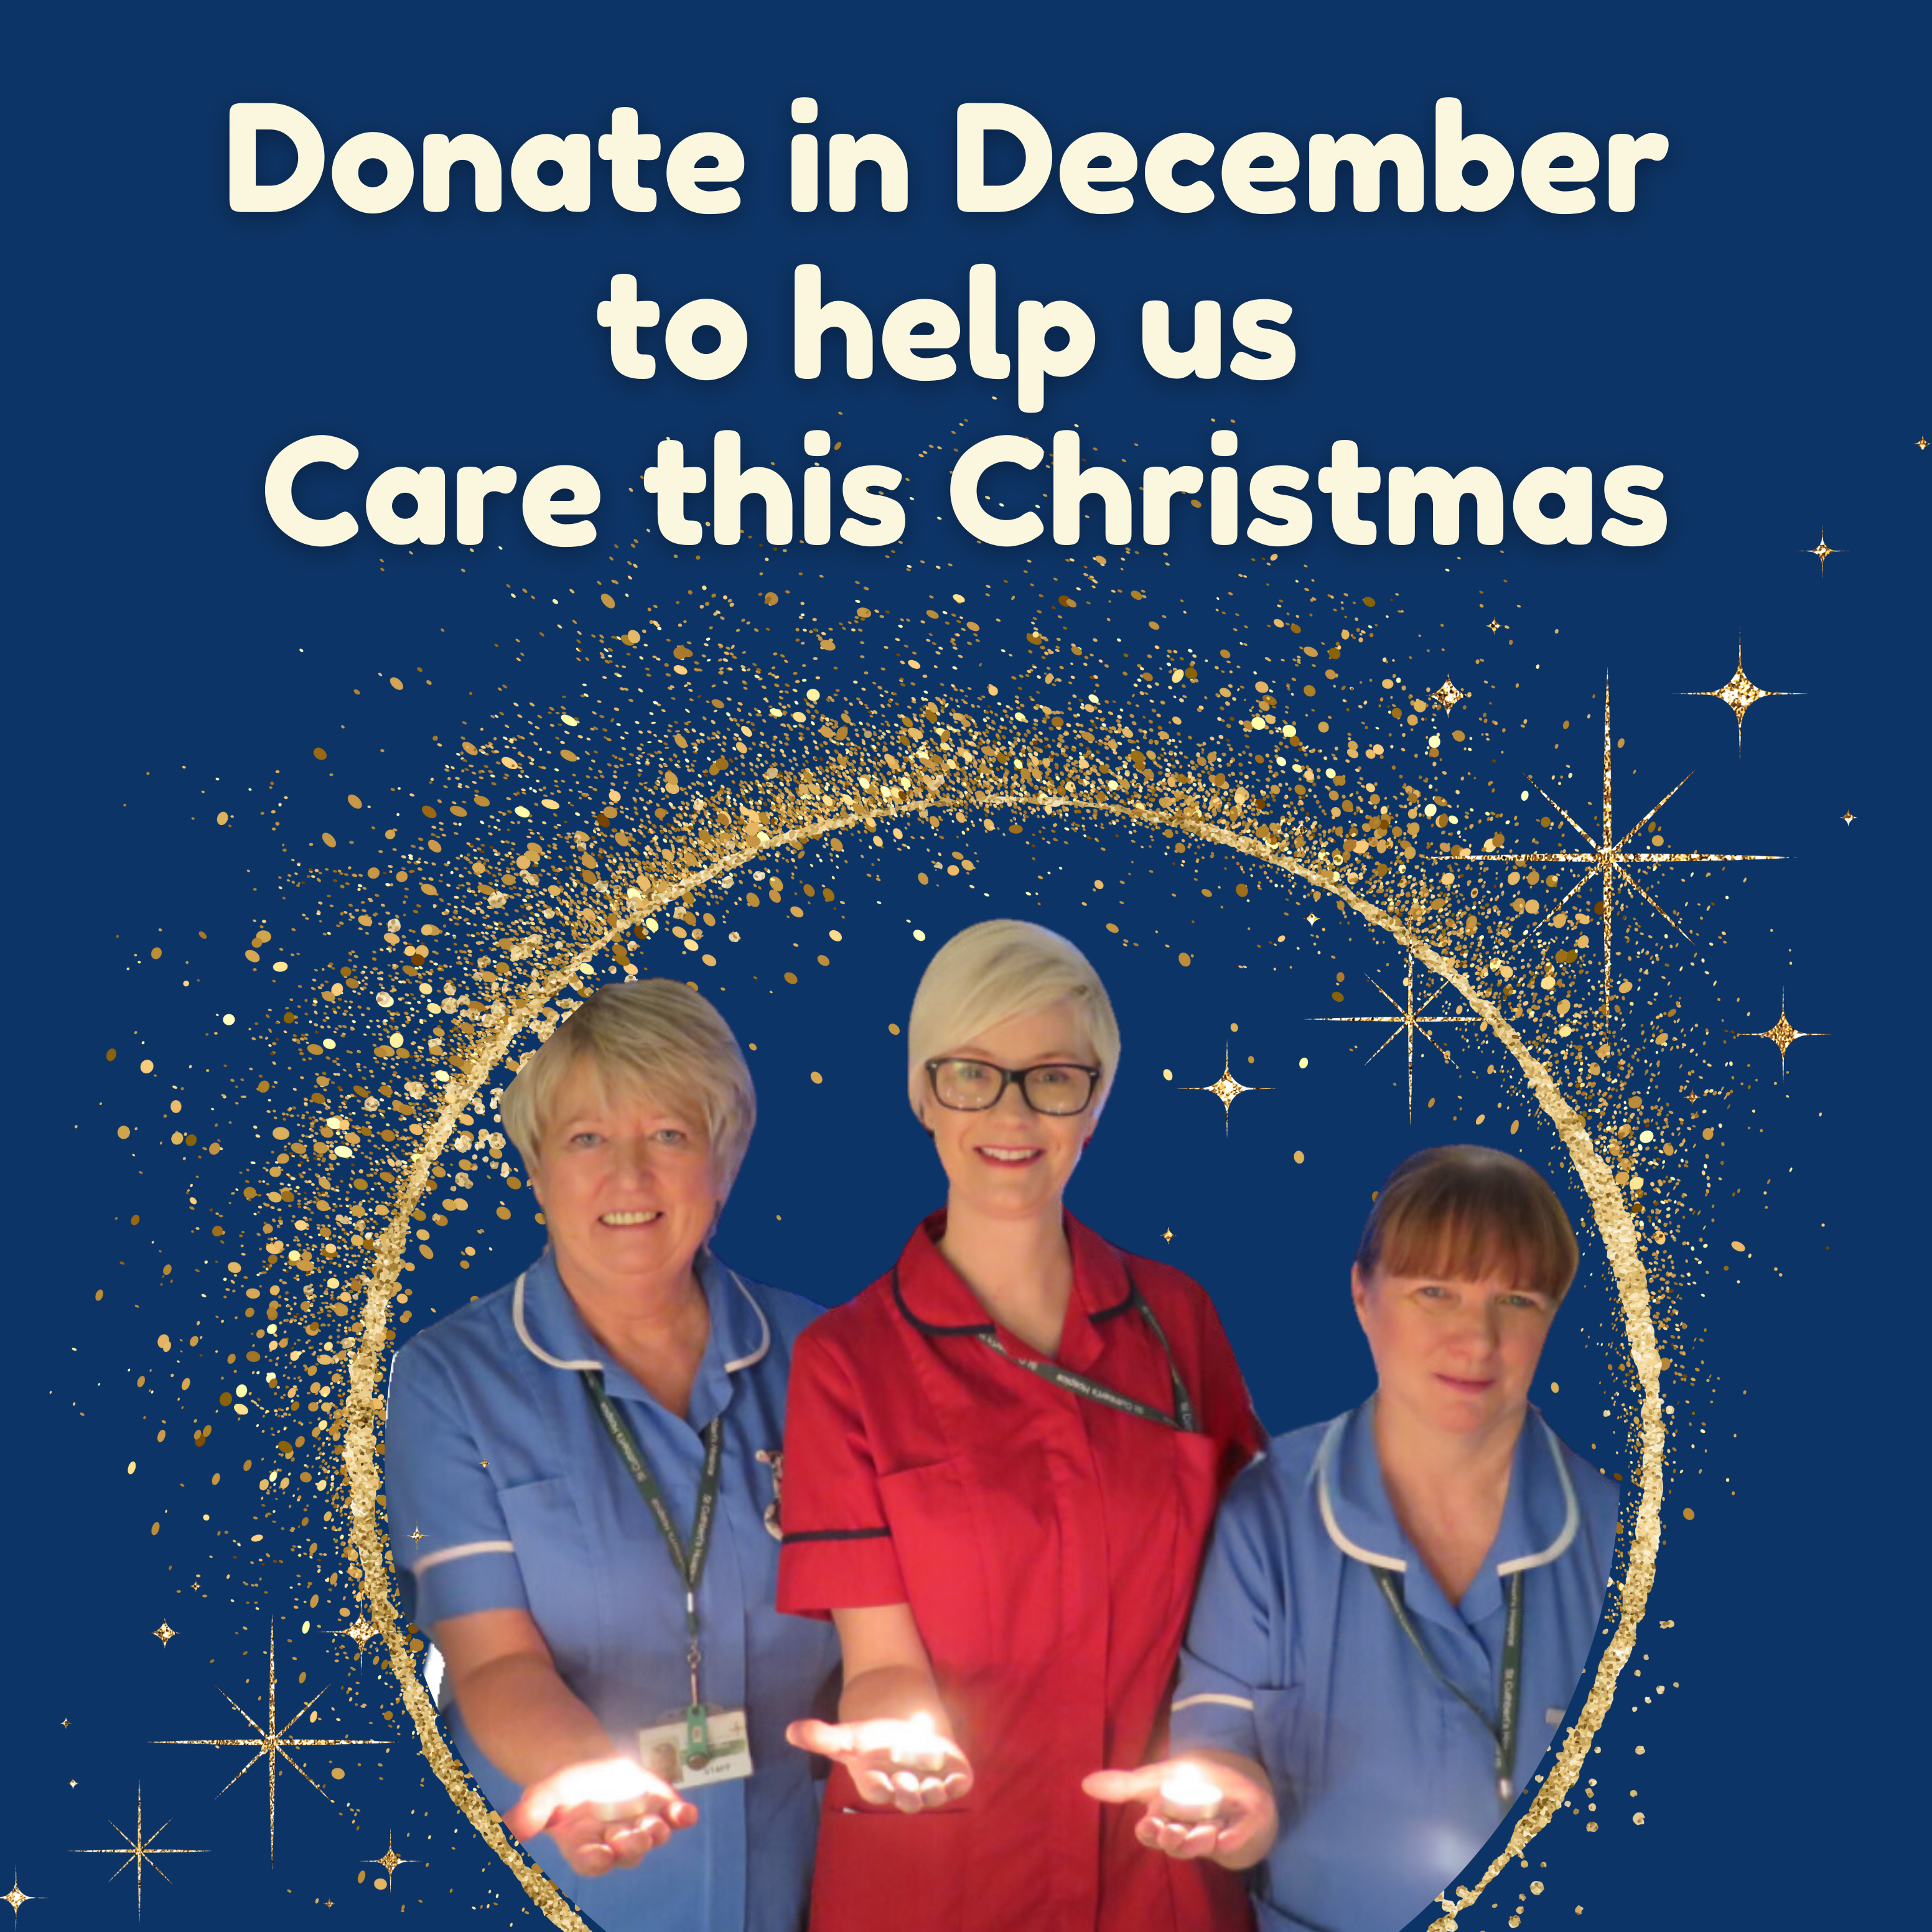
<point x="893" y="1871"/>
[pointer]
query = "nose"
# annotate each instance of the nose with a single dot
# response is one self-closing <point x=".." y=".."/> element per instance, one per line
<point x="633" y="1162"/>
<point x="1011" y="1104"/>
<point x="1478" y="1332"/>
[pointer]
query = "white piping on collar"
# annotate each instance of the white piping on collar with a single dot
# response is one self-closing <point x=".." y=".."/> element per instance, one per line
<point x="523" y="1333"/>
<point x="757" y="1354"/>
<point x="1323" y="1457"/>
<point x="1571" y="1514"/>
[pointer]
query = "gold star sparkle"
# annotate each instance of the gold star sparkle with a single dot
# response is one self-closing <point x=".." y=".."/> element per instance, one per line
<point x="17" y="1897"/>
<point x="359" y="1632"/>
<point x="1924" y="442"/>
<point x="1821" y="551"/>
<point x="166" y="1635"/>
<point x="1494" y="626"/>
<point x="1848" y="817"/>
<point x="1405" y="1019"/>
<point x="388" y="1862"/>
<point x="139" y="1851"/>
<point x="1782" y="1035"/>
<point x="1447" y="695"/>
<point x="1740" y="694"/>
<point x="1608" y="860"/>
<point x="1167" y="1234"/>
<point x="1227" y="1090"/>
<point x="274" y="1742"/>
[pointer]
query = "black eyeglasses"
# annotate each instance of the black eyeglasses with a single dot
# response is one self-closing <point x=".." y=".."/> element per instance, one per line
<point x="971" y="1086"/>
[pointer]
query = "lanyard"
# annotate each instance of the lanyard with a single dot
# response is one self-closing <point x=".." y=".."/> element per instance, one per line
<point x="689" y="1565"/>
<point x="1073" y="1382"/>
<point x="1076" y="1383"/>
<point x="1509" y="1695"/>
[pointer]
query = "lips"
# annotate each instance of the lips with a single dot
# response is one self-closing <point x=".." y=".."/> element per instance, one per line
<point x="1467" y="1385"/>
<point x="1009" y="1156"/>
<point x="634" y="1217"/>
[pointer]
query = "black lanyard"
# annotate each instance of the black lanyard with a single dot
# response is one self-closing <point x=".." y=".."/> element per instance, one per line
<point x="1509" y="1695"/>
<point x="1071" y="1380"/>
<point x="689" y="1563"/>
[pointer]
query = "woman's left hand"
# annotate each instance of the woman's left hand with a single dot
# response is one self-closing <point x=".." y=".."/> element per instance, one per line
<point x="1240" y="1834"/>
<point x="891" y="1761"/>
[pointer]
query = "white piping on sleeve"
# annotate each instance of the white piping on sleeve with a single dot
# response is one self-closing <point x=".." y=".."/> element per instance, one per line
<point x="523" y="1333"/>
<point x="450" y="1555"/>
<point x="1214" y="1697"/>
<point x="1572" y="1515"/>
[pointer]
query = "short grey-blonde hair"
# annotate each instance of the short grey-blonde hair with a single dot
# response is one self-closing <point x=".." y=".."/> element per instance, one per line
<point x="1001" y="969"/>
<point x="658" y="1037"/>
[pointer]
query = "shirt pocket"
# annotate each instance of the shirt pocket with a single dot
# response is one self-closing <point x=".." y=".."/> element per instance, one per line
<point x="559" y="1577"/>
<point x="922" y="1862"/>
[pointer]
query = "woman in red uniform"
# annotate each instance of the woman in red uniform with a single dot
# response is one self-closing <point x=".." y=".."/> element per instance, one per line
<point x="1002" y="1460"/>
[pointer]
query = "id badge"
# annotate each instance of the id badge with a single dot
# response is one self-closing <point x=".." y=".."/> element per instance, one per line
<point x="662" y="1747"/>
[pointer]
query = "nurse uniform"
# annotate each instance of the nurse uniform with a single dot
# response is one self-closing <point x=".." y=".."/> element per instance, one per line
<point x="1048" y="1544"/>
<point x="1388" y="1781"/>
<point x="497" y="1458"/>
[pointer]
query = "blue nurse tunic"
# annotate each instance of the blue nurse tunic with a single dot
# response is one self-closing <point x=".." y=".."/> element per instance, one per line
<point x="505" y="1493"/>
<point x="1386" y="1781"/>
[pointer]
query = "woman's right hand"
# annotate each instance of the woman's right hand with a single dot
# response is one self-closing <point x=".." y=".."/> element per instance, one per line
<point x="605" y="1813"/>
<point x="891" y="1761"/>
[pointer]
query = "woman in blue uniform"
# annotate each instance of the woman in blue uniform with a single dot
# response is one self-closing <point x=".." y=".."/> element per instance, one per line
<point x="582" y="1472"/>
<point x="1397" y="1603"/>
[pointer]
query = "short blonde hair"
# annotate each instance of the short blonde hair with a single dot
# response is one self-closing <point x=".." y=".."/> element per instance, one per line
<point x="1001" y="969"/>
<point x="1468" y="1213"/>
<point x="659" y="1037"/>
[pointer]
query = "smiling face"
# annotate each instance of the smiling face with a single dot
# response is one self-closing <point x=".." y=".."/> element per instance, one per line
<point x="1006" y="1160"/>
<point x="1457" y="1356"/>
<point x="626" y="1184"/>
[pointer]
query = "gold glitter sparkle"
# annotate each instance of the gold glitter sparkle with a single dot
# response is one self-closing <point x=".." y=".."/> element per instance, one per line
<point x="139" y="1851"/>
<point x="1447" y="695"/>
<point x="1848" y="817"/>
<point x="1739" y="693"/>
<point x="389" y="1861"/>
<point x="276" y="1743"/>
<point x="1782" y="1034"/>
<point x="1608" y="861"/>
<point x="1405" y="1019"/>
<point x="166" y="1635"/>
<point x="1821" y="549"/>
<point x="17" y="1897"/>
<point x="1227" y="1090"/>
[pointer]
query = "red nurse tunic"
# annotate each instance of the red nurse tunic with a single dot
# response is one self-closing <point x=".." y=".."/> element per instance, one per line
<point x="1048" y="1547"/>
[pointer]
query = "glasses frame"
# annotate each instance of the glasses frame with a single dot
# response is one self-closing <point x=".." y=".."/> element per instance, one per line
<point x="1013" y="1076"/>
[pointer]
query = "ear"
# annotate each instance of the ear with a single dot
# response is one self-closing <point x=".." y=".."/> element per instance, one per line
<point x="1360" y="1286"/>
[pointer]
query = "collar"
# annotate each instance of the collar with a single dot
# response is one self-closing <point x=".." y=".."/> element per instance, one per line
<point x="548" y="1324"/>
<point x="1540" y="1519"/>
<point x="930" y="1294"/>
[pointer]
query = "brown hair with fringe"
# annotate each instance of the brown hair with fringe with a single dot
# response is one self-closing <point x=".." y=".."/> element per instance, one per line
<point x="1470" y="1213"/>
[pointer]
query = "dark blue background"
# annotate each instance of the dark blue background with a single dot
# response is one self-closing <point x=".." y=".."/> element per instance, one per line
<point x="1756" y="330"/>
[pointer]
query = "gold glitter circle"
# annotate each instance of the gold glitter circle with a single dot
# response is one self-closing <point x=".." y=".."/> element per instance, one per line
<point x="1183" y="810"/>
